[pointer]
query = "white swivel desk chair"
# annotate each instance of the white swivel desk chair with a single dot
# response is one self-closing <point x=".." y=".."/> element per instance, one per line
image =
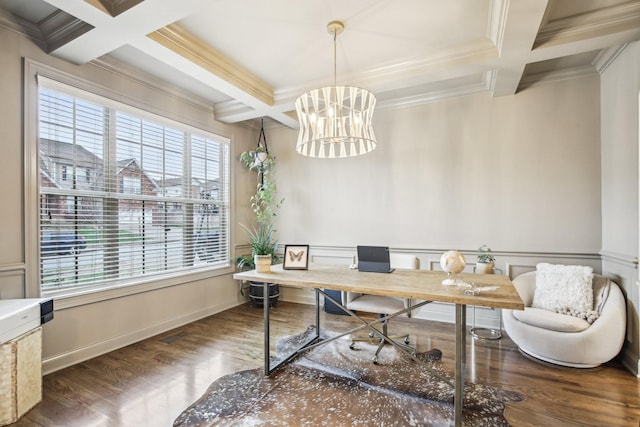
<point x="383" y="305"/>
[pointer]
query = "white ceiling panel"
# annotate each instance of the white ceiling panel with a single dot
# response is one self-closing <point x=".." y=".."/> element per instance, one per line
<point x="253" y="58"/>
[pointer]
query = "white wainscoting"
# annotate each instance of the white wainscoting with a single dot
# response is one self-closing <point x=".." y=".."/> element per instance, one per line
<point x="511" y="264"/>
<point x="623" y="270"/>
<point x="12" y="282"/>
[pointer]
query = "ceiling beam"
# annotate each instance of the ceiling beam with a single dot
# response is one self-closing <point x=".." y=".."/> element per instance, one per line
<point x="253" y="94"/>
<point x="111" y="32"/>
<point x="519" y="28"/>
<point x="149" y="27"/>
<point x="185" y="44"/>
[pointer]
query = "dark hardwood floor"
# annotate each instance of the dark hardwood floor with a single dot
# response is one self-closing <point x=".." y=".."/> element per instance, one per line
<point x="151" y="382"/>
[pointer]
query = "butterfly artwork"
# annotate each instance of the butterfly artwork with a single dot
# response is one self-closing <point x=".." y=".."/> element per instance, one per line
<point x="296" y="257"/>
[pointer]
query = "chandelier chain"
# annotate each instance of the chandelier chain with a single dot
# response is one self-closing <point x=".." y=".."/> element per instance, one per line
<point x="335" y="67"/>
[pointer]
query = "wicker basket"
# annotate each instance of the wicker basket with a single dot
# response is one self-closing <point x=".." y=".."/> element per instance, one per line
<point x="20" y="375"/>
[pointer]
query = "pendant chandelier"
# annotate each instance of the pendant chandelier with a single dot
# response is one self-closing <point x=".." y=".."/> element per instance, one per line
<point x="335" y="121"/>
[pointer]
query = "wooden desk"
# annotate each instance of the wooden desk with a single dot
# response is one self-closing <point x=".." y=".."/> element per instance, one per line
<point x="415" y="284"/>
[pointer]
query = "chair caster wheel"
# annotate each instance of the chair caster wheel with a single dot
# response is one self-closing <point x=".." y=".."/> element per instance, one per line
<point x="406" y="341"/>
<point x="375" y="360"/>
<point x="371" y="335"/>
<point x="352" y="346"/>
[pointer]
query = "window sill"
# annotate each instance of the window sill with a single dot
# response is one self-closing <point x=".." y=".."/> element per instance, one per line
<point x="90" y="295"/>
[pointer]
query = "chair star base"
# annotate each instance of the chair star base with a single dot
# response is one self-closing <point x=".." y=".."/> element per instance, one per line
<point x="377" y="338"/>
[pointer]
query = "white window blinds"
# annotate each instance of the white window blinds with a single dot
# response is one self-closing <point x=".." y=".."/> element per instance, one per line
<point x="126" y="196"/>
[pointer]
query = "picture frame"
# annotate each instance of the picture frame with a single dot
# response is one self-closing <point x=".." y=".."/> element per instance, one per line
<point x="296" y="257"/>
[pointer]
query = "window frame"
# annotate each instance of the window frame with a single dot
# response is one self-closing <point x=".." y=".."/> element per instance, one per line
<point x="85" y="295"/>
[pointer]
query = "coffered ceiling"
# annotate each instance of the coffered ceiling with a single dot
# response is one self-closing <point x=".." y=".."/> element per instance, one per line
<point x="253" y="58"/>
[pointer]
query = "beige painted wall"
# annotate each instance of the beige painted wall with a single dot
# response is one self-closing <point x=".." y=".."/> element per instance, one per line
<point x="86" y="326"/>
<point x="519" y="173"/>
<point x="620" y="87"/>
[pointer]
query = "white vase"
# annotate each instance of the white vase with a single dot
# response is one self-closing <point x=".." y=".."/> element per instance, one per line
<point x="263" y="263"/>
<point x="484" y="268"/>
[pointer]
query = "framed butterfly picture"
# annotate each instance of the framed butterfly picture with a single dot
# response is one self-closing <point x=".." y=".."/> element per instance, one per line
<point x="296" y="257"/>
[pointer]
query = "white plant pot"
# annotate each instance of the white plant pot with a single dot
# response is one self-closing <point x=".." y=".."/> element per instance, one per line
<point x="484" y="268"/>
<point x="263" y="263"/>
<point x="260" y="158"/>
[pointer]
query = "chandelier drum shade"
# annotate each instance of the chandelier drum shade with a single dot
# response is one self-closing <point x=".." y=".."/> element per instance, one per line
<point x="335" y="121"/>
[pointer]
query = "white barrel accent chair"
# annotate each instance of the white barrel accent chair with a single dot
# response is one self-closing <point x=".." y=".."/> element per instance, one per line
<point x="566" y="340"/>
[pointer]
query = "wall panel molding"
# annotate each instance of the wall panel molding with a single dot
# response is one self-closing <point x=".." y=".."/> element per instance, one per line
<point x="624" y="272"/>
<point x="626" y="260"/>
<point x="12" y="281"/>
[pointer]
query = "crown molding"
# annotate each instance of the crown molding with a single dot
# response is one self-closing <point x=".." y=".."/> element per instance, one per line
<point x="477" y="52"/>
<point x="22" y="27"/>
<point x="133" y="74"/>
<point x="59" y="28"/>
<point x="497" y="22"/>
<point x="609" y="20"/>
<point x="113" y="7"/>
<point x="606" y="57"/>
<point x="433" y="96"/>
<point x="185" y="44"/>
<point x="554" y="76"/>
<point x="52" y="32"/>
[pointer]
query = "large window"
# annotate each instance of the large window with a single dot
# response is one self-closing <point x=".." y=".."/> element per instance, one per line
<point x="124" y="195"/>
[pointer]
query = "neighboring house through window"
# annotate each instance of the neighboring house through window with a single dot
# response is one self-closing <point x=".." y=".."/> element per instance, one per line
<point x="154" y="201"/>
<point x="130" y="185"/>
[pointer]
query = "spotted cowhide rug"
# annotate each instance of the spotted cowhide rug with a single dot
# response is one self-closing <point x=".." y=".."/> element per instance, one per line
<point x="332" y="385"/>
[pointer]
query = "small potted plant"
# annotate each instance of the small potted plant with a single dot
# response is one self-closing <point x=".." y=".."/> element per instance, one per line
<point x="263" y="248"/>
<point x="486" y="261"/>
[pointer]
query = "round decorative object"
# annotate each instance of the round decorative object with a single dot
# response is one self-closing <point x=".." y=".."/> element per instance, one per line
<point x="452" y="262"/>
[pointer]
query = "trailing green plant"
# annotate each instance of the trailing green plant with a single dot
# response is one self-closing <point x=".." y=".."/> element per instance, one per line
<point x="249" y="159"/>
<point x="485" y="256"/>
<point x="264" y="205"/>
<point x="264" y="202"/>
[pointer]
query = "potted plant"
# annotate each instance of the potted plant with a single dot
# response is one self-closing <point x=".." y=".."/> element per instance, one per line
<point x="486" y="261"/>
<point x="263" y="247"/>
<point x="264" y="205"/>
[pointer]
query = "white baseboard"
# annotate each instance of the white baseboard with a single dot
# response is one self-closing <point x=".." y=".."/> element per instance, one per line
<point x="61" y="361"/>
<point x="631" y="361"/>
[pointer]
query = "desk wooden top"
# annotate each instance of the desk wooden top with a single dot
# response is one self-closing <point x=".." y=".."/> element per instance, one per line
<point x="417" y="284"/>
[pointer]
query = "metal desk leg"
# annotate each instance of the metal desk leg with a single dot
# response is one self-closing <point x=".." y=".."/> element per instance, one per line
<point x="267" y="334"/>
<point x="318" y="310"/>
<point x="461" y="362"/>
<point x="268" y="367"/>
